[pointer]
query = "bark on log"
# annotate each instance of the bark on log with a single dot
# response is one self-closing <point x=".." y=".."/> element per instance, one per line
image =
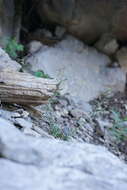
<point x="23" y="88"/>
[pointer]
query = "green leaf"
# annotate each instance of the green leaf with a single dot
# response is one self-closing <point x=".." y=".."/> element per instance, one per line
<point x="12" y="47"/>
<point x="41" y="74"/>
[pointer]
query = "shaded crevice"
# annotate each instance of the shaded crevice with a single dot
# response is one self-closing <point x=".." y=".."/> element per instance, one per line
<point x="31" y="21"/>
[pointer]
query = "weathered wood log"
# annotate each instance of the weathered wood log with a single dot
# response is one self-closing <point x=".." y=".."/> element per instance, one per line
<point x="23" y="88"/>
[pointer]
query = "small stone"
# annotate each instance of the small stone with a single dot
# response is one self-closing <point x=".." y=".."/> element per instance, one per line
<point x="16" y="115"/>
<point x="85" y="106"/>
<point x="64" y="102"/>
<point x="64" y="112"/>
<point x="34" y="46"/>
<point x="123" y="124"/>
<point x="82" y="122"/>
<point x="23" y="113"/>
<point x="113" y="64"/>
<point x="89" y="127"/>
<point x="58" y="114"/>
<point x="104" y="123"/>
<point x="30" y="132"/>
<point x="47" y="33"/>
<point x="125" y="106"/>
<point x="111" y="47"/>
<point x="86" y="127"/>
<point x="23" y="123"/>
<point x="57" y="108"/>
<point x="121" y="56"/>
<point x="77" y="113"/>
<point x="60" y="31"/>
<point x="42" y="132"/>
<point x="107" y="45"/>
<point x="102" y="126"/>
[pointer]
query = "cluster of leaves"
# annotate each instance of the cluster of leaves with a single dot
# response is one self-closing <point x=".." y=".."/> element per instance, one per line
<point x="57" y="132"/>
<point x="12" y="47"/>
<point x="41" y="74"/>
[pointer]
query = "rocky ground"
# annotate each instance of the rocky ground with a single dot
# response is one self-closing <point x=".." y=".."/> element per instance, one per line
<point x="110" y="116"/>
<point x="105" y="122"/>
<point x="61" y="144"/>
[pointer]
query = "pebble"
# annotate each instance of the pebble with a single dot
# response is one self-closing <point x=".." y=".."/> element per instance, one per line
<point x="42" y="132"/>
<point x="16" y="115"/>
<point x="28" y="131"/>
<point x="23" y="113"/>
<point x="77" y="113"/>
<point x="23" y="123"/>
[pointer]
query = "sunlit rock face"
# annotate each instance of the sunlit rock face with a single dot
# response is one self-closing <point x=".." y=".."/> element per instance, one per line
<point x="87" y="19"/>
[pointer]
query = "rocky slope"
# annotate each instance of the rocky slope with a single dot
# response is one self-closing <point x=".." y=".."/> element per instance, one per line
<point x="32" y="158"/>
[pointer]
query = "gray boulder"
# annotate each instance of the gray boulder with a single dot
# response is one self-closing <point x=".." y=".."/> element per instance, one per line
<point x="60" y="166"/>
<point x="88" y="20"/>
<point x="6" y="63"/>
<point x="14" y="146"/>
<point x="82" y="70"/>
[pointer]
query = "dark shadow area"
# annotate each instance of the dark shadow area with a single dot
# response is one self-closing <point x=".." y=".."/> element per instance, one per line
<point x="31" y="21"/>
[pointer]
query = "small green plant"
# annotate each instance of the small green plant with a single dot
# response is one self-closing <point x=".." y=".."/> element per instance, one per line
<point x="41" y="74"/>
<point x="57" y="132"/>
<point x="13" y="48"/>
<point x="54" y="128"/>
<point x="119" y="130"/>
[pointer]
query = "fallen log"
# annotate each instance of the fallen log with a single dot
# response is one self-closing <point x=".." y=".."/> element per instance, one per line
<point x="25" y="89"/>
